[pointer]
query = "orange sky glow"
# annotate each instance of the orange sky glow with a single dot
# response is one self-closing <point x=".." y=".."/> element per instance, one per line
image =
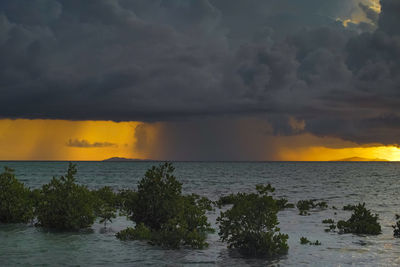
<point x="97" y="140"/>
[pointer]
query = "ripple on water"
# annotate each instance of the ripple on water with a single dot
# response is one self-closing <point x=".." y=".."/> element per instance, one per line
<point x="340" y="184"/>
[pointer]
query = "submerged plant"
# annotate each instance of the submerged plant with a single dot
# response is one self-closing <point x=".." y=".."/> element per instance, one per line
<point x="226" y="200"/>
<point x="362" y="221"/>
<point x="172" y="219"/>
<point x="396" y="227"/>
<point x="328" y="221"/>
<point x="305" y="241"/>
<point x="250" y="225"/>
<point x="16" y="202"/>
<point x="65" y="205"/>
<point x="304" y="206"/>
<point x="331" y="228"/>
<point x="140" y="232"/>
<point x="231" y="199"/>
<point x="349" y="207"/>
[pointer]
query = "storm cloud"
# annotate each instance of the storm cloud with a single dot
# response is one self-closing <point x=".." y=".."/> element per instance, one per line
<point x="177" y="60"/>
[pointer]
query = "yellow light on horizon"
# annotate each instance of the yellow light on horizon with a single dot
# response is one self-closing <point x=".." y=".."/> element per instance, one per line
<point x="48" y="139"/>
<point x="97" y="140"/>
<point x="319" y="153"/>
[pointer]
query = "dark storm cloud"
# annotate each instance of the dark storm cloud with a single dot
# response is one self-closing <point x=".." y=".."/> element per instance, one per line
<point x="86" y="144"/>
<point x="206" y="139"/>
<point x="163" y="60"/>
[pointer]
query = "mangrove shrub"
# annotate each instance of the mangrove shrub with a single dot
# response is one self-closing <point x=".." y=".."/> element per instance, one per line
<point x="362" y="221"/>
<point x="65" y="205"/>
<point x="16" y="203"/>
<point x="250" y="225"/>
<point x="164" y="216"/>
<point x="304" y="206"/>
<point x="396" y="227"/>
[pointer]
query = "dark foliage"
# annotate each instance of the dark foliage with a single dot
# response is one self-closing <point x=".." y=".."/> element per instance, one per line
<point x="125" y="201"/>
<point x="105" y="204"/>
<point x="16" y="202"/>
<point x="167" y="217"/>
<point x="305" y="241"/>
<point x="331" y="227"/>
<point x="396" y="227"/>
<point x="226" y="200"/>
<point x="362" y="221"/>
<point x="328" y="221"/>
<point x="65" y="205"/>
<point x="349" y="207"/>
<point x="283" y="204"/>
<point x="232" y="198"/>
<point x="305" y="206"/>
<point x="250" y="225"/>
<point x="158" y="197"/>
<point x="140" y="232"/>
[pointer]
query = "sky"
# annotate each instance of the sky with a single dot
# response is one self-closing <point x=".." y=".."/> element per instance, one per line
<point x="199" y="79"/>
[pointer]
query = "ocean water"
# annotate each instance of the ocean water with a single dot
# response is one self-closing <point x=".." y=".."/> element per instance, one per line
<point x="377" y="184"/>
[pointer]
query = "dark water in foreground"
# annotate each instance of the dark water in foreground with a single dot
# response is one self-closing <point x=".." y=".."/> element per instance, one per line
<point x="339" y="184"/>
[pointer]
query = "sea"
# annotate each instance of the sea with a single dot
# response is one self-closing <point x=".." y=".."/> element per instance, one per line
<point x="338" y="183"/>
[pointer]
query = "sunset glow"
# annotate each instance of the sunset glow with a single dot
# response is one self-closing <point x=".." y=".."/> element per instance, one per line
<point x="49" y="139"/>
<point x="389" y="153"/>
<point x="99" y="140"/>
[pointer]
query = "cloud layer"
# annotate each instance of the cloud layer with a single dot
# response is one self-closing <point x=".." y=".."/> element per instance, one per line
<point x="86" y="144"/>
<point x="288" y="62"/>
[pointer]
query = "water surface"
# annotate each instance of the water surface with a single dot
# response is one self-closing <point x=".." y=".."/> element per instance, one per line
<point x="339" y="184"/>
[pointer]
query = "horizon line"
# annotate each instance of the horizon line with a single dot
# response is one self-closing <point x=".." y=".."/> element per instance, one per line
<point x="205" y="161"/>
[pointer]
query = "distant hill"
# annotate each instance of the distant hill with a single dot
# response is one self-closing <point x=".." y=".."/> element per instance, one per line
<point x="360" y="159"/>
<point x="118" y="159"/>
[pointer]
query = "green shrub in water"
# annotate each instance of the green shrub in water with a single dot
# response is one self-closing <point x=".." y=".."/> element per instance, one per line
<point x="305" y="241"/>
<point x="16" y="202"/>
<point x="349" y="207"/>
<point x="396" y="227"/>
<point x="174" y="220"/>
<point x="106" y="204"/>
<point x="65" y="205"/>
<point x="362" y="221"/>
<point x="140" y="232"/>
<point x="158" y="197"/>
<point x="232" y="198"/>
<point x="304" y="206"/>
<point x="250" y="225"/>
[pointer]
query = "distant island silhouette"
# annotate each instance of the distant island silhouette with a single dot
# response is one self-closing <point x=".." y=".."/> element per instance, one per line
<point x="120" y="159"/>
<point x="360" y="159"/>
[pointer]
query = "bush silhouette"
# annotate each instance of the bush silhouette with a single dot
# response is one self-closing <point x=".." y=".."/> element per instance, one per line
<point x="362" y="221"/>
<point x="158" y="197"/>
<point x="250" y="225"/>
<point x="162" y="214"/>
<point x="16" y="203"/>
<point x="65" y="205"/>
<point x="305" y="241"/>
<point x="396" y="227"/>
<point x="304" y="206"/>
